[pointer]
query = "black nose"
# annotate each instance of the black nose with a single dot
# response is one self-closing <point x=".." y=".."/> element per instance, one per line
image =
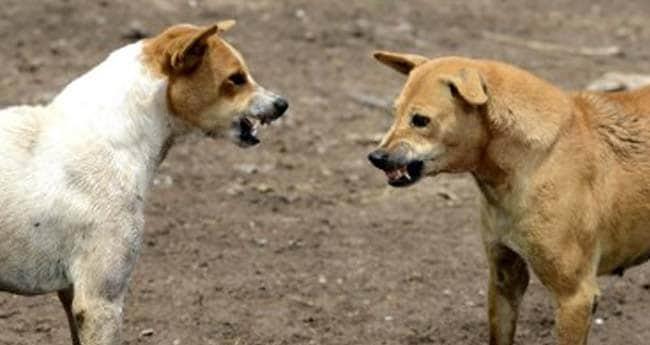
<point x="281" y="105"/>
<point x="379" y="158"/>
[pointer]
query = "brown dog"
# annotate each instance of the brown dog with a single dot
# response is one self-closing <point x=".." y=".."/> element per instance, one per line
<point x="565" y="178"/>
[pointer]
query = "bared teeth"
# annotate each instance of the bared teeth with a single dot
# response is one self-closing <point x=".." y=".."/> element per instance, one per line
<point x="252" y="123"/>
<point x="246" y="123"/>
<point x="398" y="174"/>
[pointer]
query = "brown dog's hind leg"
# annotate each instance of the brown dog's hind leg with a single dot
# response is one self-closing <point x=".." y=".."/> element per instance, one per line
<point x="66" y="297"/>
<point x="509" y="279"/>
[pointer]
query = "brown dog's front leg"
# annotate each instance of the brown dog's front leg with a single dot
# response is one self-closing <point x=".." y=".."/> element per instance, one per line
<point x="574" y="312"/>
<point x="509" y="279"/>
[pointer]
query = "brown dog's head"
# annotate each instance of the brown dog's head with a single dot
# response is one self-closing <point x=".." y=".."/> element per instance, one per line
<point x="438" y="124"/>
<point x="210" y="87"/>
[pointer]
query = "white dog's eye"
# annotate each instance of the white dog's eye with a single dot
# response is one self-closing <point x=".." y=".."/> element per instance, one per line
<point x="420" y="121"/>
<point x="238" y="79"/>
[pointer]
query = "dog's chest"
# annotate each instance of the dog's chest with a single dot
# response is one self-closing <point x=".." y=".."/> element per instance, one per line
<point x="505" y="234"/>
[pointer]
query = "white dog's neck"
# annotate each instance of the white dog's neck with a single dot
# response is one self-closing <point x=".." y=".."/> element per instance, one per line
<point x="120" y="104"/>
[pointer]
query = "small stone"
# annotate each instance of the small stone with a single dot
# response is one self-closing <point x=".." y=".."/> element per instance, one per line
<point x="147" y="332"/>
<point x="615" y="81"/>
<point x="446" y="292"/>
<point x="599" y="321"/>
<point x="300" y="13"/>
<point x="247" y="168"/>
<point x="163" y="181"/>
<point x="234" y="189"/>
<point x="309" y="36"/>
<point x="388" y="318"/>
<point x="176" y="342"/>
<point x="322" y="279"/>
<point x="43" y="328"/>
<point x="263" y="188"/>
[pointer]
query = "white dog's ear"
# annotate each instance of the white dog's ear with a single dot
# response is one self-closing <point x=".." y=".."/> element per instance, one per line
<point x="403" y="63"/>
<point x="468" y="85"/>
<point x="226" y="25"/>
<point x="191" y="49"/>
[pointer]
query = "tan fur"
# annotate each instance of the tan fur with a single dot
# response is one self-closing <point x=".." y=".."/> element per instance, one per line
<point x="565" y="177"/>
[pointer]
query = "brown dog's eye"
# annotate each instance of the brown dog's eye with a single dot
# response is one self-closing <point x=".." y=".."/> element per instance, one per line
<point x="420" y="121"/>
<point x="238" y="79"/>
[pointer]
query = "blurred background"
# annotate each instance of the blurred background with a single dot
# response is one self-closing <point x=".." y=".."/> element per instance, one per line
<point x="300" y="241"/>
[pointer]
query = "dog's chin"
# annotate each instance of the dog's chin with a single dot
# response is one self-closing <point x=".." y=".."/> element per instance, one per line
<point x="405" y="175"/>
<point x="245" y="128"/>
<point x="244" y="131"/>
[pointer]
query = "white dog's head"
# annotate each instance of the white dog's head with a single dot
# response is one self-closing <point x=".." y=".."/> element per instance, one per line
<point x="210" y="87"/>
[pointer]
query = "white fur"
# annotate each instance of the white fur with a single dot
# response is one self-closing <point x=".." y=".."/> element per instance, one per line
<point x="73" y="176"/>
<point x="73" y="180"/>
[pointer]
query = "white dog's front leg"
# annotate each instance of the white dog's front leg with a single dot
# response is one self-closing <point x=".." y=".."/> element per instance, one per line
<point x="97" y="308"/>
<point x="101" y="277"/>
<point x="99" y="321"/>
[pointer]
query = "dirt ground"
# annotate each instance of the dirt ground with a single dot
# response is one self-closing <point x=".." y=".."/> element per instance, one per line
<point x="300" y="241"/>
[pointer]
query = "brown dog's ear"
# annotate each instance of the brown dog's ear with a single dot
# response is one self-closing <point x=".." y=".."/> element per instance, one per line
<point x="403" y="63"/>
<point x="469" y="85"/>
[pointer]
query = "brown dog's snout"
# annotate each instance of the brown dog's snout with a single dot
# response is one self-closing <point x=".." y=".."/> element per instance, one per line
<point x="380" y="159"/>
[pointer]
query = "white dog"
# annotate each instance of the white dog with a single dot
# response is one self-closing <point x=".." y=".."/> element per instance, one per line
<point x="74" y="174"/>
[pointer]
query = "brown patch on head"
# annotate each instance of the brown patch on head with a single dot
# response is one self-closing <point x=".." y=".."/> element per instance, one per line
<point x="208" y="79"/>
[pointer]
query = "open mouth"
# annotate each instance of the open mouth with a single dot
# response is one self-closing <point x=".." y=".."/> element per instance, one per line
<point x="248" y="131"/>
<point x="405" y="175"/>
<point x="247" y="127"/>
